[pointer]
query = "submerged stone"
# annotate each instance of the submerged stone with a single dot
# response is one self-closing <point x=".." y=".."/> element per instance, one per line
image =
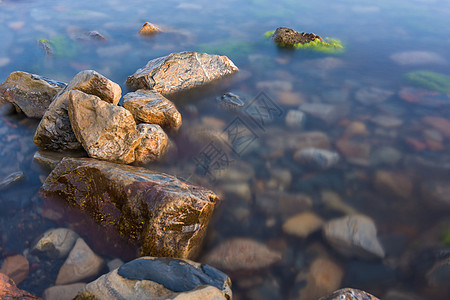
<point x="30" y="93"/>
<point x="349" y="294"/>
<point x="149" y="29"/>
<point x="317" y="158"/>
<point x="159" y="278"/>
<point x="289" y="37"/>
<point x="159" y="213"/>
<point x="179" y="72"/>
<point x="55" y="243"/>
<point x="9" y="290"/>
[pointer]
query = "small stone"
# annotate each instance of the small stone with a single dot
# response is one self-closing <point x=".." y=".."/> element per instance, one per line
<point x="436" y="194"/>
<point x="392" y="183"/>
<point x="349" y="294"/>
<point x="16" y="267"/>
<point x="333" y="201"/>
<point x="114" y="264"/>
<point x="439" y="123"/>
<point x="82" y="263"/>
<point x="149" y="29"/>
<point x="356" y="128"/>
<point x="295" y="119"/>
<point x="290" y="98"/>
<point x="153" y="108"/>
<point x="11" y="179"/>
<point x="385" y="155"/>
<point x="317" y="158"/>
<point x="354" y="236"/>
<point x="9" y="290"/>
<point x="55" y="243"/>
<point x="357" y="153"/>
<point x="153" y="144"/>
<point x="372" y="95"/>
<point x="303" y="224"/>
<point x="387" y="121"/>
<point x="63" y="292"/>
<point x="241" y="254"/>
<point x="312" y="139"/>
<point x="415" y="58"/>
<point x="239" y="190"/>
<point x="328" y="113"/>
<point x="280" y="179"/>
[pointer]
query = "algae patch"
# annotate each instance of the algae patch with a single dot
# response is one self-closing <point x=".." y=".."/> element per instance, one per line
<point x="430" y="80"/>
<point x="326" y="45"/>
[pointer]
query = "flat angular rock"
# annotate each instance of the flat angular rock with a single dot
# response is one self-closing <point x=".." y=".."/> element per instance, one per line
<point x="30" y="93"/>
<point x="160" y="278"/>
<point x="55" y="243"/>
<point x="161" y="214"/>
<point x="354" y="236"/>
<point x="16" y="267"/>
<point x="152" y="145"/>
<point x="9" y="290"/>
<point x="105" y="130"/>
<point x="179" y="72"/>
<point x="347" y="293"/>
<point x="54" y="131"/>
<point x="82" y="263"/>
<point x="153" y="108"/>
<point x="241" y="254"/>
<point x="63" y="292"/>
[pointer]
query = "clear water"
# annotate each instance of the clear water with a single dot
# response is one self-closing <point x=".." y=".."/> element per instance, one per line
<point x="372" y="33"/>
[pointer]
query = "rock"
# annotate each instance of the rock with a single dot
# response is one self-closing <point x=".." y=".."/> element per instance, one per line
<point x="424" y="97"/>
<point x="151" y="107"/>
<point x="16" y="267"/>
<point x="54" y="132"/>
<point x="295" y="119"/>
<point x="170" y="221"/>
<point x="160" y="278"/>
<point x="9" y="180"/>
<point x="280" y="179"/>
<point x="149" y="29"/>
<point x="230" y="101"/>
<point x="372" y="95"/>
<point x="105" y="130"/>
<point x="114" y="264"/>
<point x="55" y="243"/>
<point x="9" y="290"/>
<point x="290" y="98"/>
<point x="275" y="203"/>
<point x="351" y="294"/>
<point x="30" y="93"/>
<point x="439" y="274"/>
<point x="393" y="183"/>
<point x="152" y="145"/>
<point x="354" y="236"/>
<point x="63" y="292"/>
<point x="237" y="190"/>
<point x="333" y="201"/>
<point x="241" y="254"/>
<point x="287" y="37"/>
<point x="357" y="153"/>
<point x="317" y="158"/>
<point x="50" y="159"/>
<point x="323" y="277"/>
<point x="312" y="139"/>
<point x="436" y="194"/>
<point x="328" y="113"/>
<point x="356" y="128"/>
<point x="179" y="72"/>
<point x="385" y="156"/>
<point x="82" y="263"/>
<point x="415" y="58"/>
<point x="387" y="121"/>
<point x="439" y="123"/>
<point x="303" y="224"/>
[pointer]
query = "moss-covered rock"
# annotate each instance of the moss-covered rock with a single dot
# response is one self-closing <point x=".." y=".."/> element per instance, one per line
<point x="430" y="80"/>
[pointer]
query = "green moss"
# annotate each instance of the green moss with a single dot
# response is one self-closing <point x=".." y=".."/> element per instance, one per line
<point x="269" y="34"/>
<point x="62" y="46"/>
<point x="430" y="80"/>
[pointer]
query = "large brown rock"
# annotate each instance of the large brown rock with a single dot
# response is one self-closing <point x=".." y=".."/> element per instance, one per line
<point x="153" y="108"/>
<point x="105" y="130"/>
<point x="54" y="131"/>
<point x="181" y="71"/>
<point x="161" y="214"/>
<point x="9" y="290"/>
<point x="29" y="93"/>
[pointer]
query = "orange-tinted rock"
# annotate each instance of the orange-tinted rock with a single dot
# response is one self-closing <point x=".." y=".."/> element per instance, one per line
<point x="179" y="72"/>
<point x="355" y="152"/>
<point x="161" y="214"/>
<point x="356" y="128"/>
<point x="16" y="267"/>
<point x="393" y="183"/>
<point x="441" y="124"/>
<point x="149" y="29"/>
<point x="9" y="290"/>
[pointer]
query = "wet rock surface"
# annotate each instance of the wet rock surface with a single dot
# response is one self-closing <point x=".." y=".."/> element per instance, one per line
<point x="30" y="93"/>
<point x="9" y="290"/>
<point x="54" y="131"/>
<point x="153" y="144"/>
<point x="317" y="158"/>
<point x="153" y="108"/>
<point x="161" y="214"/>
<point x="105" y="130"/>
<point x="55" y="243"/>
<point x="179" y="72"/>
<point x="159" y="278"/>
<point x="349" y="294"/>
<point x="289" y="37"/>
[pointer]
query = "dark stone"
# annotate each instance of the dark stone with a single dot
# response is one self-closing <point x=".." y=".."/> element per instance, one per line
<point x="349" y="294"/>
<point x="161" y="214"/>
<point x="289" y="37"/>
<point x="173" y="274"/>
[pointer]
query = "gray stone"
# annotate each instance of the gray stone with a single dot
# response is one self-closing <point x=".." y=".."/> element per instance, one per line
<point x="372" y="95"/>
<point x="354" y="236"/>
<point x="179" y="72"/>
<point x="317" y="158"/>
<point x="63" y="292"/>
<point x="153" y="144"/>
<point x="328" y="113"/>
<point x="11" y="179"/>
<point x="153" y="108"/>
<point x="55" y="243"/>
<point x="50" y="159"/>
<point x="295" y="119"/>
<point x="54" y="132"/>
<point x="105" y="130"/>
<point x="385" y="156"/>
<point x="82" y="263"/>
<point x="160" y="278"/>
<point x="30" y="93"/>
<point x="114" y="264"/>
<point x="348" y="293"/>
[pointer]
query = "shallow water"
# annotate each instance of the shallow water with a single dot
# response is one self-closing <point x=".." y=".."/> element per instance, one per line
<point x="375" y="36"/>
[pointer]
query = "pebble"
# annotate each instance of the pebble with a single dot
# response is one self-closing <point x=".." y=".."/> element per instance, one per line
<point x="289" y="98"/>
<point x="328" y="113"/>
<point x="356" y="128"/>
<point x="82" y="263"/>
<point x="387" y="121"/>
<point x="303" y="224"/>
<point x="415" y="58"/>
<point x="63" y="292"/>
<point x="385" y="155"/>
<point x="12" y="178"/>
<point x="357" y="153"/>
<point x="56" y="243"/>
<point x="372" y="95"/>
<point x="332" y="201"/>
<point x="439" y="123"/>
<point x="393" y="183"/>
<point x="317" y="158"/>
<point x="354" y="236"/>
<point x="241" y="254"/>
<point x="16" y="267"/>
<point x="295" y="119"/>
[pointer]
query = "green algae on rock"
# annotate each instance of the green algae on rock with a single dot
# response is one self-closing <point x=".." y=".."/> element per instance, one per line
<point x="430" y="80"/>
<point x="289" y="38"/>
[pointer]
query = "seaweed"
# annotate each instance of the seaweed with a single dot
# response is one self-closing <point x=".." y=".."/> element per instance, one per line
<point x="430" y="80"/>
<point x="327" y="46"/>
<point x="60" y="46"/>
